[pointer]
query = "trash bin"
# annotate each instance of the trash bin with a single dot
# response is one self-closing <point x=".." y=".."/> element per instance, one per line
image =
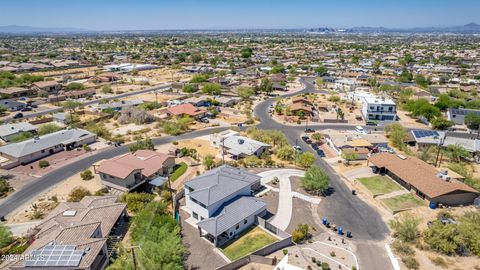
<point x="324" y="221"/>
<point x="340" y="230"/>
<point x="433" y="205"/>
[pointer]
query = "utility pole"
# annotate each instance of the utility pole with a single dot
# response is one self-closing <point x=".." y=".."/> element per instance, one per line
<point x="223" y="151"/>
<point x="440" y="144"/>
<point x="132" y="248"/>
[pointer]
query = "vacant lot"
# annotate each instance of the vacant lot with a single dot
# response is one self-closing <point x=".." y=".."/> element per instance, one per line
<point x="248" y="242"/>
<point x="404" y="201"/>
<point x="379" y="184"/>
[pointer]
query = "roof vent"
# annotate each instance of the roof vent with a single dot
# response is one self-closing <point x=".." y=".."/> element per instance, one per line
<point x="241" y="141"/>
<point x="402" y="157"/>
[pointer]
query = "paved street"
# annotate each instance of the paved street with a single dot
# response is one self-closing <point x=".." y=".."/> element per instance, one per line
<point x="341" y="207"/>
<point x="30" y="191"/>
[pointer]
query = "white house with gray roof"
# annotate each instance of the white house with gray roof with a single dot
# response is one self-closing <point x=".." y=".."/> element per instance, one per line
<point x="8" y="131"/>
<point x="39" y="147"/>
<point x="220" y="201"/>
<point x="240" y="146"/>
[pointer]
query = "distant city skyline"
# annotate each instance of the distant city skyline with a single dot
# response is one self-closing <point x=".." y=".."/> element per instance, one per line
<point x="245" y="14"/>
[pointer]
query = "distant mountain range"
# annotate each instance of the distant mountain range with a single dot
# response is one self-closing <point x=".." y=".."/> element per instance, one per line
<point x="471" y="28"/>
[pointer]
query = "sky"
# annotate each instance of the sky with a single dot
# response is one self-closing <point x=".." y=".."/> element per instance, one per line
<point x="236" y="14"/>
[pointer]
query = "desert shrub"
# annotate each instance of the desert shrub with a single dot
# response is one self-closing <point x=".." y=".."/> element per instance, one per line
<point x="136" y="201"/>
<point x="78" y="193"/>
<point x="86" y="175"/>
<point x="43" y="164"/>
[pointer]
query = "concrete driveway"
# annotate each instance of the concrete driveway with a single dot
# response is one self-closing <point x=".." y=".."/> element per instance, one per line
<point x="358" y="173"/>
<point x="285" y="196"/>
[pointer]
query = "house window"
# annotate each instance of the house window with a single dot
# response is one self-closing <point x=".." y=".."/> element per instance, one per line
<point x="43" y="151"/>
<point x="195" y="215"/>
<point x="390" y="108"/>
<point x="238" y="226"/>
<point x="372" y="108"/>
<point x="245" y="221"/>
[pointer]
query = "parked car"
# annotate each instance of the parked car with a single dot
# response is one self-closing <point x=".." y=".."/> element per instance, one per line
<point x="18" y="115"/>
<point x="306" y="139"/>
<point x="26" y="109"/>
<point x="205" y="120"/>
<point x="309" y="130"/>
<point x="320" y="153"/>
<point x="297" y="148"/>
<point x="315" y="146"/>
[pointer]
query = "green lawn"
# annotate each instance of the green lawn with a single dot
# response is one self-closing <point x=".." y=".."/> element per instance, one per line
<point x="180" y="169"/>
<point x="403" y="202"/>
<point x="379" y="184"/>
<point x="249" y="241"/>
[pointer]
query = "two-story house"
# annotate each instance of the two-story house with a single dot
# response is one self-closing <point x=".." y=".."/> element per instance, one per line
<point x="128" y="172"/>
<point x="376" y="108"/>
<point x="220" y="202"/>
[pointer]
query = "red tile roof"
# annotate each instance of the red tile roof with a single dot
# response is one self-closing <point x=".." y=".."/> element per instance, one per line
<point x="186" y="108"/>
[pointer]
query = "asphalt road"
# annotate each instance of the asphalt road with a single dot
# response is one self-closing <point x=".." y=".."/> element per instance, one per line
<point x="30" y="191"/>
<point x="341" y="207"/>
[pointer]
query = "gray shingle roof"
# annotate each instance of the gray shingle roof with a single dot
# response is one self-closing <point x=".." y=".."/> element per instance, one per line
<point x="232" y="214"/>
<point x="10" y="129"/>
<point x="33" y="145"/>
<point x="220" y="183"/>
<point x="242" y="145"/>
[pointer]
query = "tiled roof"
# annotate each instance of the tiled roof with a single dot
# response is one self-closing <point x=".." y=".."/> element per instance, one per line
<point x="418" y="174"/>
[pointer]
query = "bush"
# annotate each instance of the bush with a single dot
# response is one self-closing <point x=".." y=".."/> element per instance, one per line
<point x="86" y="175"/>
<point x="325" y="266"/>
<point x="306" y="159"/>
<point x="439" y="261"/>
<point x="136" y="201"/>
<point x="5" y="236"/>
<point x="316" y="180"/>
<point x="286" y="152"/>
<point x="48" y="128"/>
<point x="402" y="248"/>
<point x="146" y="144"/>
<point x="78" y="193"/>
<point x="43" y="164"/>
<point x="411" y="263"/>
<point x="285" y="251"/>
<point x="4" y="187"/>
<point x="300" y="233"/>
<point x="405" y="228"/>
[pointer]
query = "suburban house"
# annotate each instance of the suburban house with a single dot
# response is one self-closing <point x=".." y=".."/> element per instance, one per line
<point x="341" y="140"/>
<point x="301" y="108"/>
<point x="221" y="204"/>
<point x="75" y="236"/>
<point x="181" y="110"/>
<point x="216" y="139"/>
<point x="378" y="109"/>
<point x="8" y="131"/>
<point x="41" y="146"/>
<point x="428" y="183"/>
<point x="15" y="92"/>
<point x="129" y="171"/>
<point x="240" y="146"/>
<point x="47" y="86"/>
<point x="458" y="115"/>
<point x="117" y="105"/>
<point x="227" y="101"/>
<point x="432" y="138"/>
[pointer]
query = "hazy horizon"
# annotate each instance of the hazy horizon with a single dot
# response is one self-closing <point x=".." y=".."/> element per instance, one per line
<point x="249" y="14"/>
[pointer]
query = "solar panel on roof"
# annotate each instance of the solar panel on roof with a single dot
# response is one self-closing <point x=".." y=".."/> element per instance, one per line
<point x="55" y="255"/>
<point x="425" y="133"/>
